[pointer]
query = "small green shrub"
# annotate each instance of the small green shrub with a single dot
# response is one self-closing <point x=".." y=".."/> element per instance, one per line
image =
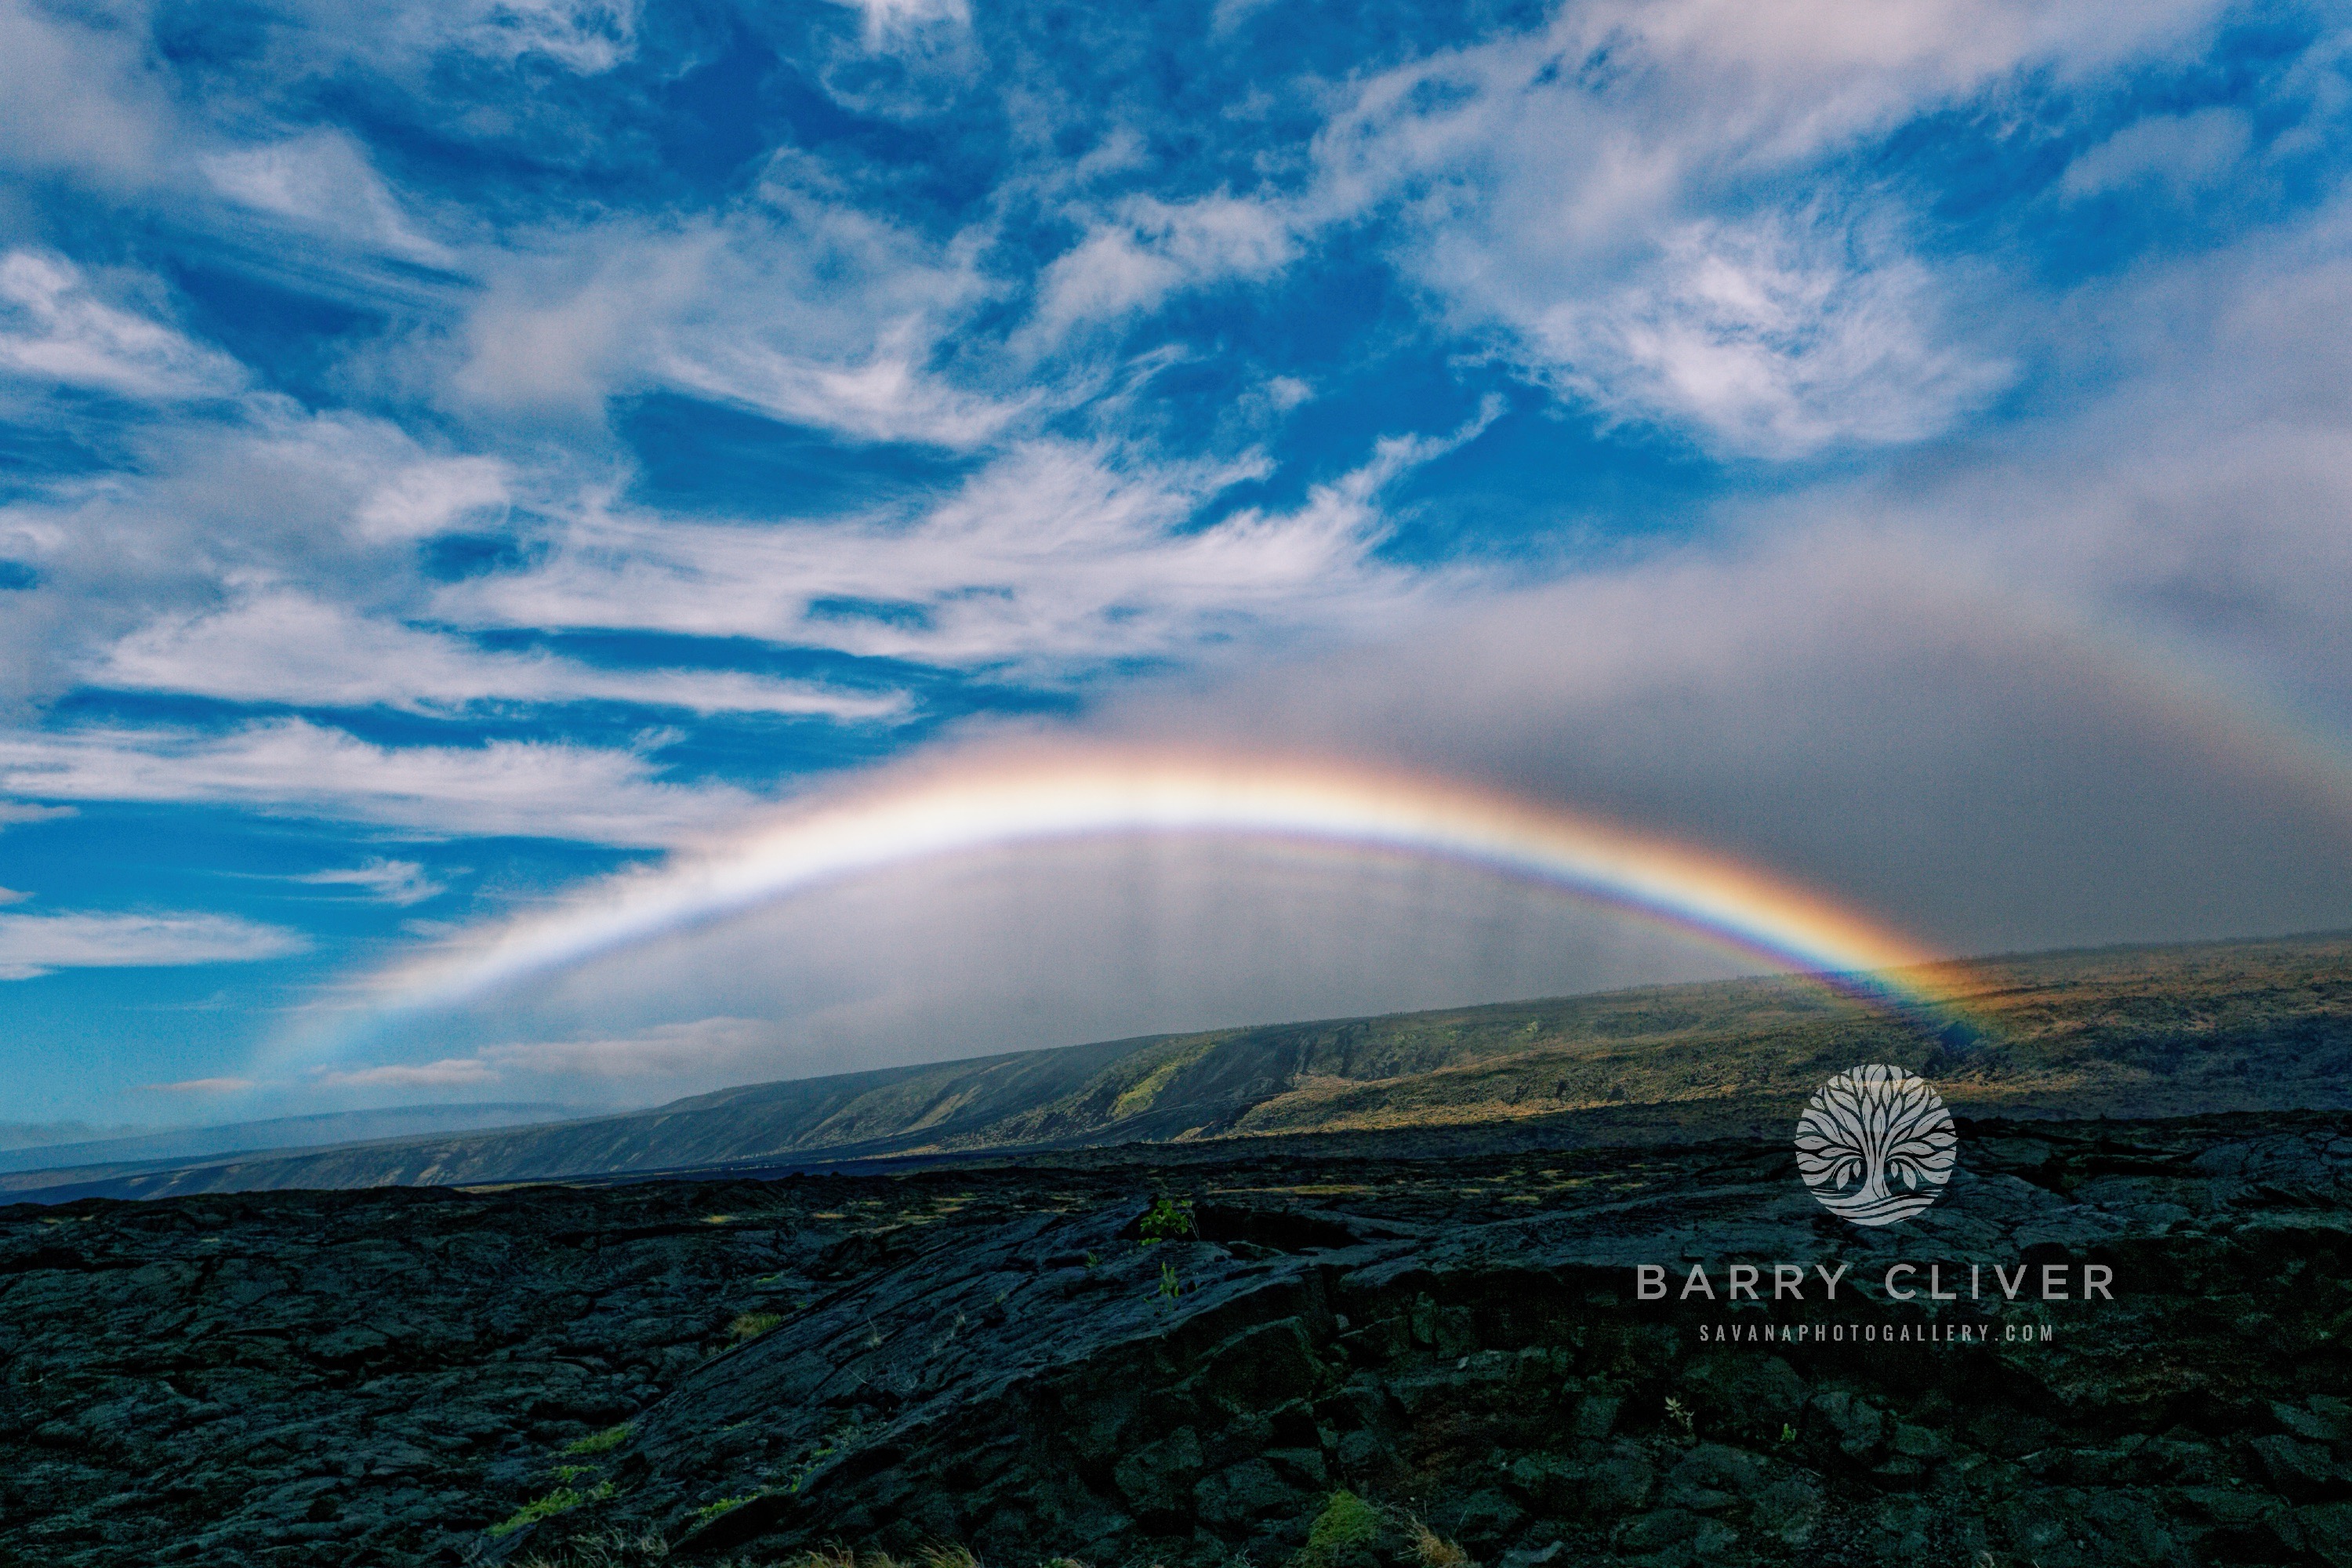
<point x="1169" y="1284"/>
<point x="603" y="1442"/>
<point x="751" y="1325"/>
<point x="1168" y="1219"/>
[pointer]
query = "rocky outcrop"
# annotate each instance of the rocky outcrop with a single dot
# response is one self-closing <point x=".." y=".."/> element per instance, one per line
<point x="360" y="1378"/>
<point x="1441" y="1345"/>
<point x="1350" y="1336"/>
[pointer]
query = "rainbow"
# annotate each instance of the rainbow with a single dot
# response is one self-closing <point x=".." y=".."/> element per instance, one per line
<point x="1042" y="799"/>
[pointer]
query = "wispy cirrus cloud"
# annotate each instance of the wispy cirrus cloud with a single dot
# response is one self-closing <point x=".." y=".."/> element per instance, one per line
<point x="1773" y="338"/>
<point x="55" y="327"/>
<point x="1637" y="200"/>
<point x="533" y="789"/>
<point x="201" y="1086"/>
<point x="892" y="22"/>
<point x="32" y="945"/>
<point x="321" y="181"/>
<point x="585" y="36"/>
<point x="397" y="882"/>
<point x="1134" y="259"/>
<point x="1052" y="560"/>
<point x="290" y="647"/>
<point x="799" y="304"/>
<point x="451" y="1072"/>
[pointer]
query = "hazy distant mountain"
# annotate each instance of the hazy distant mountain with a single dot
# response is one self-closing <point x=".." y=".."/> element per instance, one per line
<point x="2150" y="1031"/>
<point x="84" y="1145"/>
<point x="38" y="1134"/>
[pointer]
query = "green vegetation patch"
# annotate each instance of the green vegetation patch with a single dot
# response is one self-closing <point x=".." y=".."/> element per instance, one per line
<point x="725" y="1505"/>
<point x="751" y="1325"/>
<point x="603" y="1442"/>
<point x="1144" y="1090"/>
<point x="1168" y="1219"/>
<point x="1347" y="1522"/>
<point x="563" y="1500"/>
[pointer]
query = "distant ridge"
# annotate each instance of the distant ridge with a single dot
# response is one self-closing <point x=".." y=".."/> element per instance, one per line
<point x="124" y="1147"/>
<point x="2124" y="1031"/>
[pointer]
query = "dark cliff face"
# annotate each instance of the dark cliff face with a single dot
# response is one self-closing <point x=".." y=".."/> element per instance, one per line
<point x="1349" y="1335"/>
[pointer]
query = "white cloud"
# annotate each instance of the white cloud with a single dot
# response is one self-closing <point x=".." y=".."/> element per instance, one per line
<point x="76" y="95"/>
<point x="54" y="326"/>
<point x="897" y="24"/>
<point x="202" y="1086"/>
<point x="1772" y="339"/>
<point x="1050" y="560"/>
<point x="400" y="882"/>
<point x="1635" y="200"/>
<point x="596" y="795"/>
<point x="451" y="1072"/>
<point x="284" y="646"/>
<point x="25" y="811"/>
<point x="586" y="35"/>
<point x="324" y="184"/>
<point x="434" y="495"/>
<point x="798" y="305"/>
<point x="1153" y="248"/>
<point x="33" y="945"/>
<point x="180" y="581"/>
<point x="2181" y="153"/>
<point x="274" y="500"/>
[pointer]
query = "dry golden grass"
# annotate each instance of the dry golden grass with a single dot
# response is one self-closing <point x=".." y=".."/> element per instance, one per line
<point x="1431" y="1550"/>
<point x="842" y="1557"/>
<point x="609" y="1551"/>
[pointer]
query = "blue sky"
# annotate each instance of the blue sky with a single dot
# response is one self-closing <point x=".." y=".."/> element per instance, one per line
<point x="449" y="453"/>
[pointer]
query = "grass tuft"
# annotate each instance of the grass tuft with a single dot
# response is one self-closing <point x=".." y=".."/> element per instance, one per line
<point x="603" y="1442"/>
<point x="563" y="1500"/>
<point x="839" y="1556"/>
<point x="725" y="1505"/>
<point x="1431" y="1550"/>
<point x="612" y="1549"/>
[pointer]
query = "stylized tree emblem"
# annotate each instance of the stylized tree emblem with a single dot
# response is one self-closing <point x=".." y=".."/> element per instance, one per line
<point x="1867" y="1128"/>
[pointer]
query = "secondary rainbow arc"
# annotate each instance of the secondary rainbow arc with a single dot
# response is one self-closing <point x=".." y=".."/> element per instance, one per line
<point x="1710" y="895"/>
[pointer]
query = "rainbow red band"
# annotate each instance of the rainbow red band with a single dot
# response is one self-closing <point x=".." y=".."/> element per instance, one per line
<point x="1061" y="798"/>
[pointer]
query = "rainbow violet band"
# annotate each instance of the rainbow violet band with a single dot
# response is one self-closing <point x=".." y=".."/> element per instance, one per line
<point x="1046" y="799"/>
